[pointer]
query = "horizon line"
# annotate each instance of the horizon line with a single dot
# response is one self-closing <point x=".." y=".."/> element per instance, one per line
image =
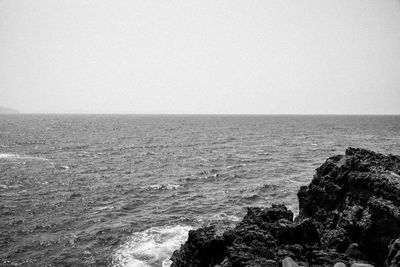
<point x="207" y="114"/>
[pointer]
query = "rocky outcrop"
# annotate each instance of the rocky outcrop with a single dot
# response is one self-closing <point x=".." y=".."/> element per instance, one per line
<point x="354" y="200"/>
<point x="349" y="213"/>
<point x="393" y="258"/>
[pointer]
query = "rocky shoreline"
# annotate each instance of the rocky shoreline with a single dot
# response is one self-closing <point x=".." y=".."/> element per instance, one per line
<point x="349" y="213"/>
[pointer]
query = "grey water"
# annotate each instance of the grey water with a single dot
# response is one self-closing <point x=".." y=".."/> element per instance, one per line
<point x="124" y="190"/>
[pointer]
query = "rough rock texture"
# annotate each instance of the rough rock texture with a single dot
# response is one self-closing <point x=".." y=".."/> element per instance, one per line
<point x="393" y="258"/>
<point x="354" y="200"/>
<point x="350" y="212"/>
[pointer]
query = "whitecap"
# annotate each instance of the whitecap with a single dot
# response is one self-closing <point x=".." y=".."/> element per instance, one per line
<point x="62" y="167"/>
<point x="162" y="187"/>
<point x="8" y="156"/>
<point x="153" y="186"/>
<point x="152" y="247"/>
<point x="173" y="186"/>
<point x="108" y="207"/>
<point x="16" y="156"/>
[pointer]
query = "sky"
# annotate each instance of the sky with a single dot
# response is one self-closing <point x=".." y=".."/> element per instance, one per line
<point x="200" y="57"/>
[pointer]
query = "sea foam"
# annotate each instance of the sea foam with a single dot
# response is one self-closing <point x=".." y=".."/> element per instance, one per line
<point x="161" y="187"/>
<point x="16" y="156"/>
<point x="151" y="247"/>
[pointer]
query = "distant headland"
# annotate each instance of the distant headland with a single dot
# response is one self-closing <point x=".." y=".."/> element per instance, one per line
<point x="4" y="110"/>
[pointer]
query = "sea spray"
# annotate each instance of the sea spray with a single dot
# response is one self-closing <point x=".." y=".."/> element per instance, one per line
<point x="151" y="247"/>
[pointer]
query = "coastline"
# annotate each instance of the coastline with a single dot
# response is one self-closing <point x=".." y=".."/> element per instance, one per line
<point x="349" y="213"/>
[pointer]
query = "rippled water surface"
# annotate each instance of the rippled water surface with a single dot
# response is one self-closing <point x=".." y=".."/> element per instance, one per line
<point x="115" y="190"/>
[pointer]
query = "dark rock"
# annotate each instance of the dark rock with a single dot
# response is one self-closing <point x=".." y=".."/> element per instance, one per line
<point x="326" y="258"/>
<point x="353" y="251"/>
<point x="393" y="258"/>
<point x="350" y="212"/>
<point x="334" y="238"/>
<point x="203" y="248"/>
<point x="270" y="215"/>
<point x="358" y="196"/>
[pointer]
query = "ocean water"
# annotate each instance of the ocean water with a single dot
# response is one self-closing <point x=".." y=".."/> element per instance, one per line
<point x="124" y="190"/>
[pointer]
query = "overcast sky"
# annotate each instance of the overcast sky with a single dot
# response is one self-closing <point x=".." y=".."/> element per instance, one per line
<point x="217" y="56"/>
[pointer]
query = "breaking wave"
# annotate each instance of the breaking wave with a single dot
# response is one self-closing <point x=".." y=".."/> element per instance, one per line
<point x="16" y="156"/>
<point x="151" y="247"/>
<point x="161" y="187"/>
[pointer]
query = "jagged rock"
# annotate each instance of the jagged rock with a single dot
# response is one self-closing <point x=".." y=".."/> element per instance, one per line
<point x="350" y="212"/>
<point x="358" y="196"/>
<point x="326" y="258"/>
<point x="204" y="247"/>
<point x="393" y="258"/>
<point x="353" y="251"/>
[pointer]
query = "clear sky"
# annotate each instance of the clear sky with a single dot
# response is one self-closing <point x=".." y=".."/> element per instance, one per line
<point x="216" y="56"/>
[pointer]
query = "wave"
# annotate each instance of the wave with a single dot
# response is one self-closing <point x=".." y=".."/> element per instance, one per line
<point x="269" y="187"/>
<point x="236" y="166"/>
<point x="161" y="187"/>
<point x="151" y="247"/>
<point x="16" y="156"/>
<point x="3" y="186"/>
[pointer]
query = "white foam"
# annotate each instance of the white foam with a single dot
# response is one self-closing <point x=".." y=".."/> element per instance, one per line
<point x="162" y="187"/>
<point x="16" y="156"/>
<point x="109" y="207"/>
<point x="62" y="167"/>
<point x="152" y="247"/>
<point x="173" y="186"/>
<point x="7" y="156"/>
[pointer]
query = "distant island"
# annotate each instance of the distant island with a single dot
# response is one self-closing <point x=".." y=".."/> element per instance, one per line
<point x="4" y="110"/>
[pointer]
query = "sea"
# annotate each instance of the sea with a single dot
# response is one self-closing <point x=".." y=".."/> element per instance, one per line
<point x="124" y="190"/>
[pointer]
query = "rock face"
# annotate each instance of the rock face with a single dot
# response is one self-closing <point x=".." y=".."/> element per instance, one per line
<point x="349" y="213"/>
<point x="355" y="199"/>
